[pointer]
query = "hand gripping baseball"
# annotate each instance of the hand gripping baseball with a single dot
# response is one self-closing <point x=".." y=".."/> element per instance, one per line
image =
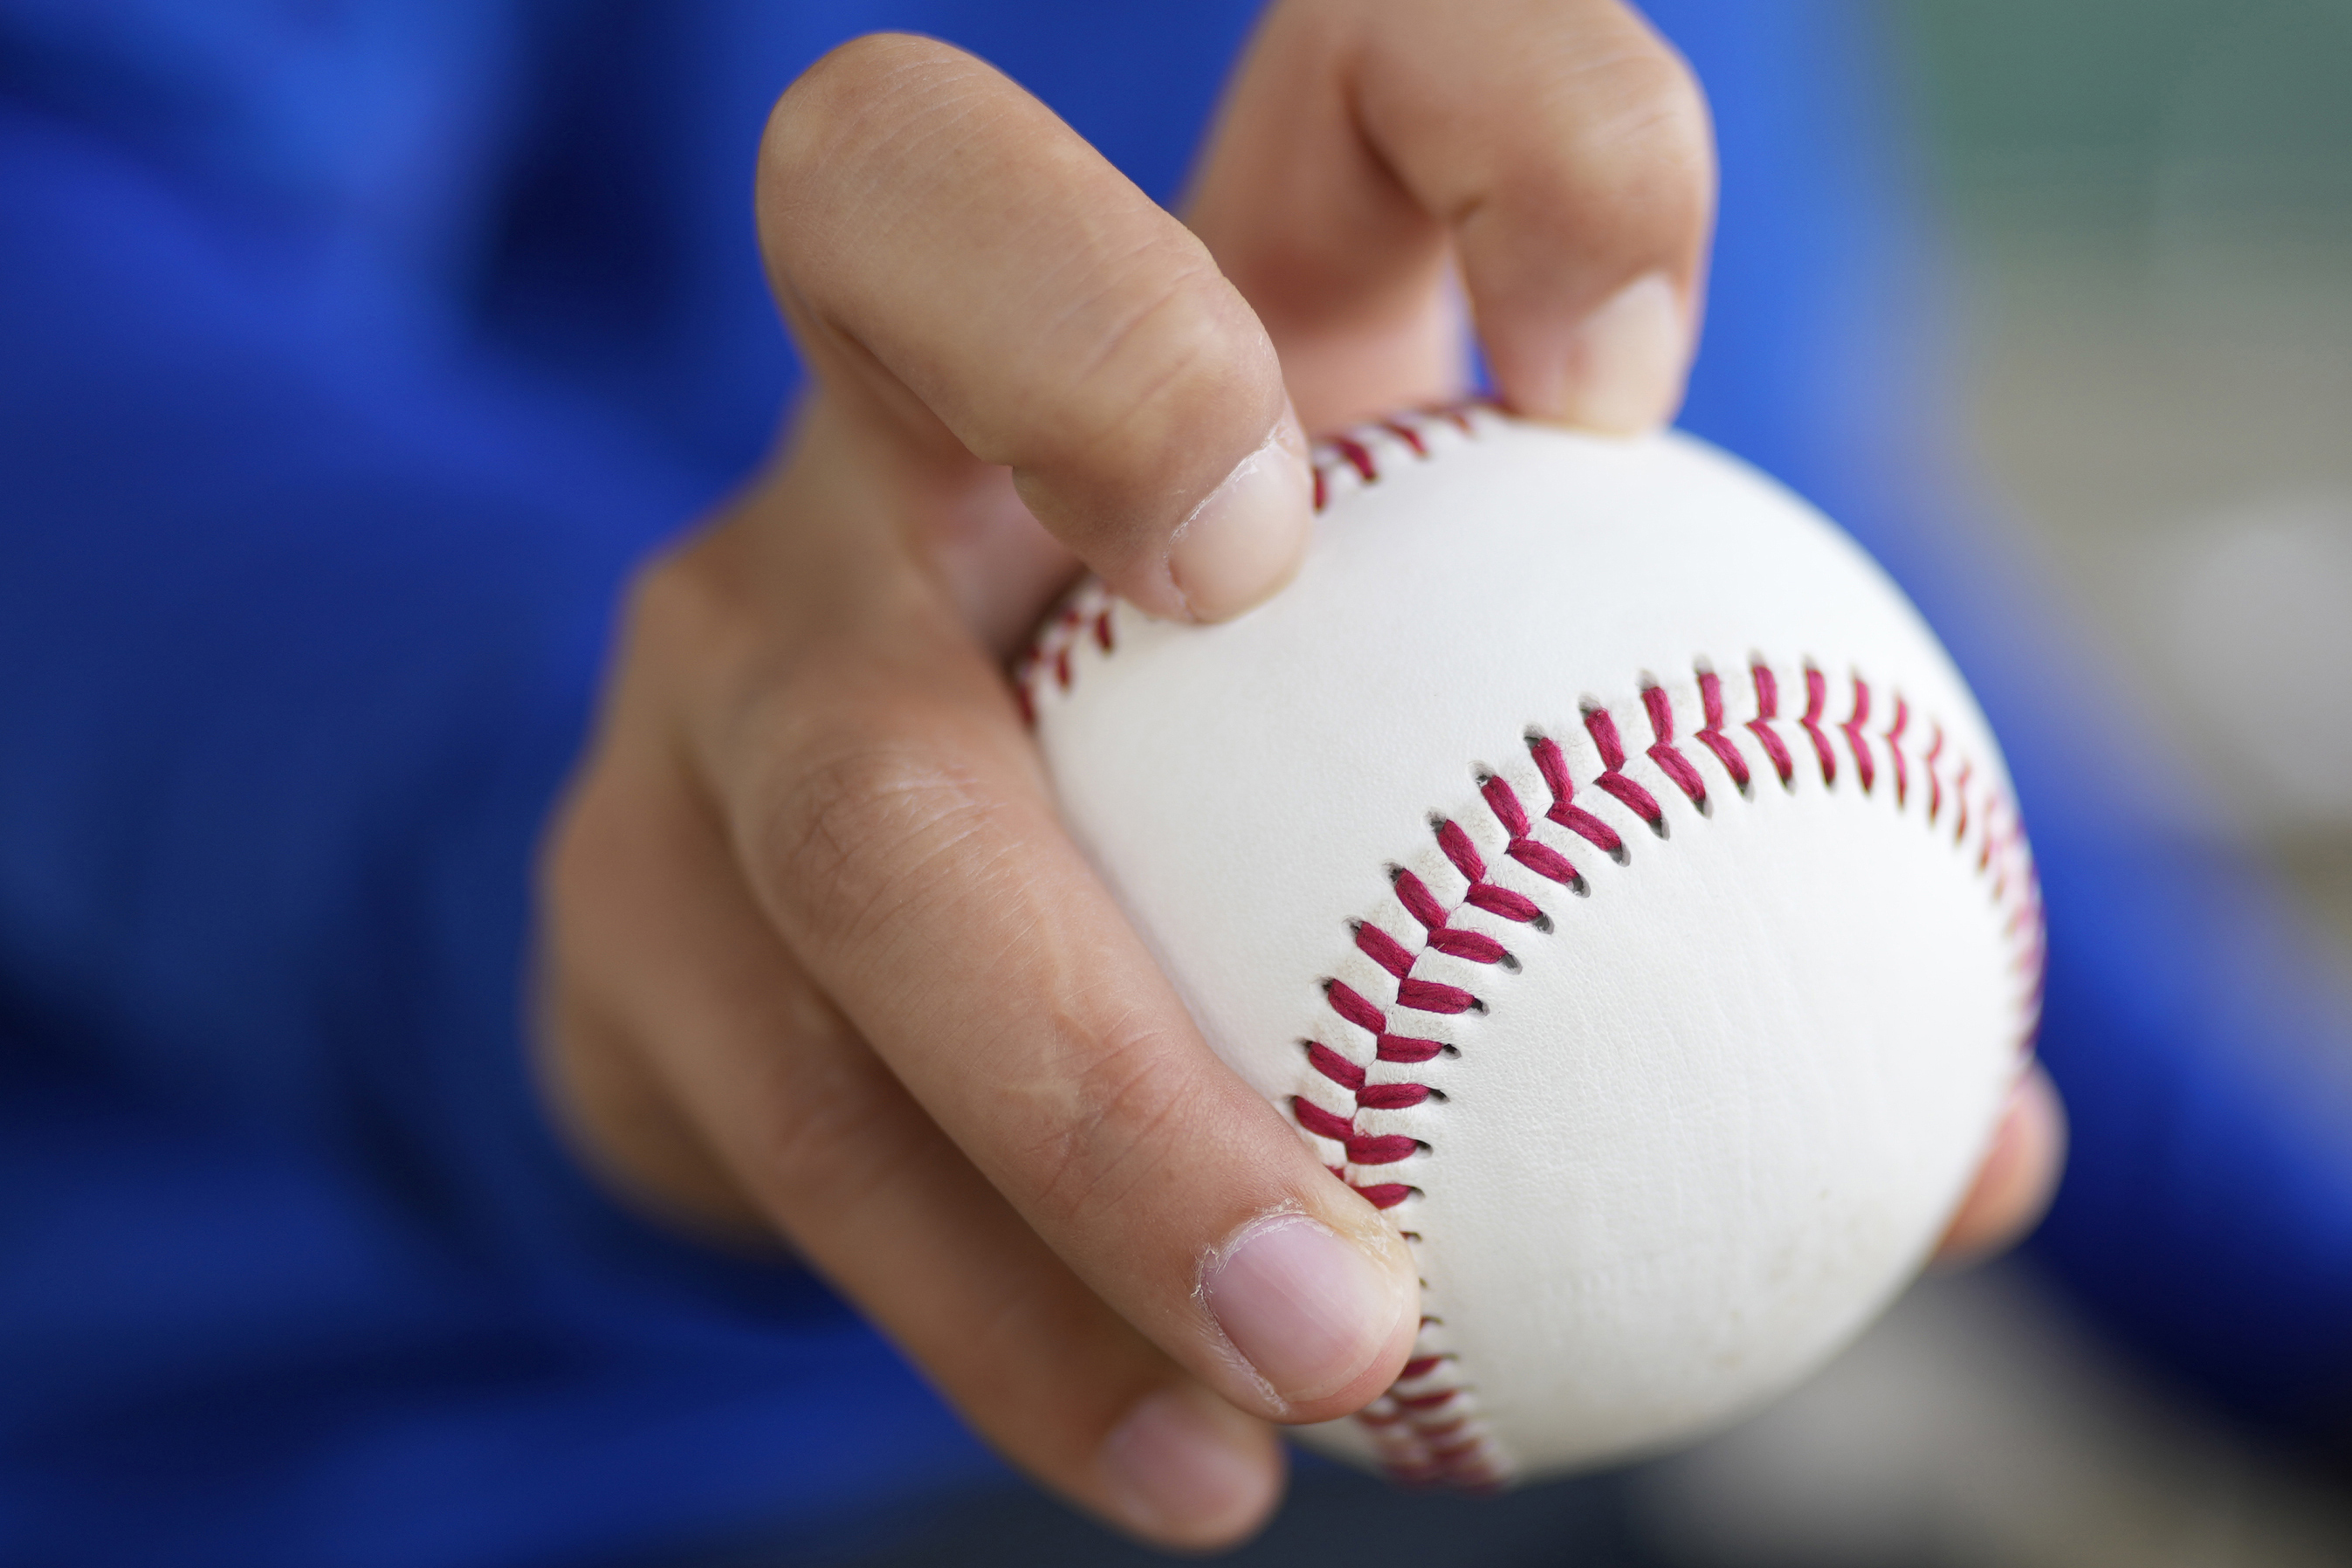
<point x="820" y="962"/>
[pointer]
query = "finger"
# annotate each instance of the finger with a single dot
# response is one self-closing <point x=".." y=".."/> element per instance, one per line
<point x="669" y="967"/>
<point x="895" y="827"/>
<point x="978" y="282"/>
<point x="2019" y="1176"/>
<point x="1558" y="151"/>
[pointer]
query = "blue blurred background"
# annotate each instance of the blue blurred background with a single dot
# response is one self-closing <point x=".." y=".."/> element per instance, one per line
<point x="352" y="351"/>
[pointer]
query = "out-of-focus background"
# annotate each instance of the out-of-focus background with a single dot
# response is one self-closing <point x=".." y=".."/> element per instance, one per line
<point x="2147" y="205"/>
<point x="2143" y="209"/>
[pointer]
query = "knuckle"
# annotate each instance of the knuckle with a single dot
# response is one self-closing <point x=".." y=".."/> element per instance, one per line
<point x="1167" y="363"/>
<point x="1119" y="1123"/>
<point x="855" y="821"/>
<point x="1154" y="387"/>
<point x="836" y="1131"/>
<point x="699" y="622"/>
<point x="1639" y="130"/>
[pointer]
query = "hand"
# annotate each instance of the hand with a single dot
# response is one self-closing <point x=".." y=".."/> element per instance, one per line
<point x="820" y="964"/>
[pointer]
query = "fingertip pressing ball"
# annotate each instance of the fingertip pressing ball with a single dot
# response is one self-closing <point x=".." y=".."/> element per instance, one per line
<point x="1599" y="859"/>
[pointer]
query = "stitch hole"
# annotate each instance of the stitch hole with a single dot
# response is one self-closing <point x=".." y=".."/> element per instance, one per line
<point x="1509" y="961"/>
<point x="1542" y="922"/>
<point x="1438" y="1095"/>
<point x="1448" y="1051"/>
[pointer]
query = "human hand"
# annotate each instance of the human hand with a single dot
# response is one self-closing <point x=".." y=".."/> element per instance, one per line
<point x="819" y="963"/>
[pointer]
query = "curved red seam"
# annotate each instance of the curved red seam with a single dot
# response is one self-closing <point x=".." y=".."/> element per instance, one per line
<point x="1817" y="696"/>
<point x="1437" y="1450"/>
<point x="1553" y="765"/>
<point x="1856" y="742"/>
<point x="1935" y="783"/>
<point x="1767" y="710"/>
<point x="1639" y="801"/>
<point x="1711" y="735"/>
<point x="1049" y="650"/>
<point x="1662" y="753"/>
<point x="1895" y="751"/>
<point x="1408" y="434"/>
<point x="1435" y="1453"/>
<point x="1365" y="461"/>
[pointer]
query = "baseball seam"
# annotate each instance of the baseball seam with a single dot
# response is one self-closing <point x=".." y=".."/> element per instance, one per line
<point x="1426" y="1429"/>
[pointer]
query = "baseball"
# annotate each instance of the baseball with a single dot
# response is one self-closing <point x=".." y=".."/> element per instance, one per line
<point x="1597" y="858"/>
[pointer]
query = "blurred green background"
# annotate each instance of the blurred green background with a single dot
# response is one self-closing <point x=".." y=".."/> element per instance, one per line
<point x="2148" y="211"/>
<point x="2150" y="206"/>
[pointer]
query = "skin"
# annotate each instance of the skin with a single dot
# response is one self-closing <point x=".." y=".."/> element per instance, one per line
<point x="819" y="964"/>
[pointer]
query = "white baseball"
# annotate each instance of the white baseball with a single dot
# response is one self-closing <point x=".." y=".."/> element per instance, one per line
<point x="1598" y="858"/>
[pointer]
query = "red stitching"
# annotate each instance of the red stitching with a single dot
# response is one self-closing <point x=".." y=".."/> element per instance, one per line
<point x="1423" y="1434"/>
<point x="1817" y="697"/>
<point x="1408" y="434"/>
<point x="1768" y="710"/>
<point x="1553" y="765"/>
<point x="1349" y="454"/>
<point x="1711" y="735"/>
<point x="1425" y="1427"/>
<point x="1671" y="762"/>
<point x="1895" y="751"/>
<point x="1354" y="454"/>
<point x="1641" y="802"/>
<point x="1541" y="858"/>
<point x="1934" y="785"/>
<point x="1855" y="741"/>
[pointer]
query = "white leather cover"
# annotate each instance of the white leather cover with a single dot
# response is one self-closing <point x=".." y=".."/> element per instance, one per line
<point x="1691" y="1136"/>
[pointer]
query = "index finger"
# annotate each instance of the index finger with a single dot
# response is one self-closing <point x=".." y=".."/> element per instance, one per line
<point x="974" y="282"/>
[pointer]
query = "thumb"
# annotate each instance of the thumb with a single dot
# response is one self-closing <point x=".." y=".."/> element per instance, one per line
<point x="963" y="267"/>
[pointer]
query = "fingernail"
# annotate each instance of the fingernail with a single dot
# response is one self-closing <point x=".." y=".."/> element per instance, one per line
<point x="1625" y="364"/>
<point x="1185" y="1467"/>
<point x="1246" y="540"/>
<point x="1308" y="1309"/>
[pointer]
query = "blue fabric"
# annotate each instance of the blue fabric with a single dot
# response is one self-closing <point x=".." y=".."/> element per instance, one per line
<point x="348" y="356"/>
